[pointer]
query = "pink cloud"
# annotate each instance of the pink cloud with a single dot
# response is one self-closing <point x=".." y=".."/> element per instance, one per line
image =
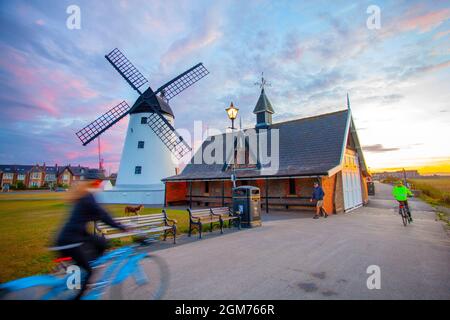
<point x="441" y="34"/>
<point x="424" y="22"/>
<point x="42" y="86"/>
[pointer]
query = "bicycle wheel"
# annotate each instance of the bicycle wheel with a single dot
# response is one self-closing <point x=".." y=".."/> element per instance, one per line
<point x="404" y="217"/>
<point x="156" y="271"/>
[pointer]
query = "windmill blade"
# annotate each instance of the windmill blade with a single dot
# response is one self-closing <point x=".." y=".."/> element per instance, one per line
<point x="102" y="123"/>
<point x="126" y="69"/>
<point x="183" y="81"/>
<point x="166" y="132"/>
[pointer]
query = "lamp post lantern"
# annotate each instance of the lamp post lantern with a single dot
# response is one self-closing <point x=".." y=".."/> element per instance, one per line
<point x="232" y="112"/>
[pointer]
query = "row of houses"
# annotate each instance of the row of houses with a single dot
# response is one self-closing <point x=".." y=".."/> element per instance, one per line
<point x="37" y="176"/>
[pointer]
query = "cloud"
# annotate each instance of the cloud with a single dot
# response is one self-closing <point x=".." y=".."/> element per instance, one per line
<point x="206" y="33"/>
<point x="423" y="22"/>
<point x="378" y="148"/>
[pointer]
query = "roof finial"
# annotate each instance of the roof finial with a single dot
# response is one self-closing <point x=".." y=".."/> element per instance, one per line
<point x="263" y="82"/>
<point x="348" y="102"/>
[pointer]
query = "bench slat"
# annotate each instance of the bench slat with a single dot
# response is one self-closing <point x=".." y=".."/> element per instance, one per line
<point x="128" y="234"/>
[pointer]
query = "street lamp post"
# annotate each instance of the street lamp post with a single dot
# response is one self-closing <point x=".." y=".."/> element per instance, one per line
<point x="232" y="112"/>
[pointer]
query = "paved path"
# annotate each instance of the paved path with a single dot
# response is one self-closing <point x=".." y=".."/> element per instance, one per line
<point x="295" y="257"/>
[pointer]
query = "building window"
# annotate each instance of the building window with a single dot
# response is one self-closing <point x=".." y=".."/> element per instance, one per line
<point x="137" y="170"/>
<point x="8" y="176"/>
<point x="144" y="120"/>
<point x="206" y="186"/>
<point x="36" y="175"/>
<point x="292" y="186"/>
<point x="21" y="177"/>
<point x="140" y="144"/>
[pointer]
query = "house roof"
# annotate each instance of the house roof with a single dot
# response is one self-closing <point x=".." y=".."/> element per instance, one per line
<point x="307" y="147"/>
<point x="263" y="104"/>
<point x="14" y="168"/>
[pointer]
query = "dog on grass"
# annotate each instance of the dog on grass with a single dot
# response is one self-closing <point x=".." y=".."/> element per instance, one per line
<point x="133" y="211"/>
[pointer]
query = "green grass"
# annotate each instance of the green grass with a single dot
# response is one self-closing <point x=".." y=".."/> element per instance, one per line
<point x="435" y="191"/>
<point x="28" y="227"/>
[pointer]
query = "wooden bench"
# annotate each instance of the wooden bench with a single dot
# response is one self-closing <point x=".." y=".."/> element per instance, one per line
<point x="226" y="214"/>
<point x="198" y="218"/>
<point x="156" y="224"/>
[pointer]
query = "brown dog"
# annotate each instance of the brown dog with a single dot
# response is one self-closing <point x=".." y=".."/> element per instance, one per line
<point x="133" y="211"/>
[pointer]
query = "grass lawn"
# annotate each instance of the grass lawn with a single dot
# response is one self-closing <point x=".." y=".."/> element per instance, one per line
<point x="434" y="190"/>
<point x="28" y="224"/>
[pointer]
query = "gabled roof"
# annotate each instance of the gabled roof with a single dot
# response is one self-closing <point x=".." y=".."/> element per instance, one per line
<point x="310" y="146"/>
<point x="263" y="104"/>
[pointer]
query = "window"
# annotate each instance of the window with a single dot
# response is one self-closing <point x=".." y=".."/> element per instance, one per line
<point x="137" y="170"/>
<point x="21" y="177"/>
<point x="292" y="186"/>
<point x="144" y="120"/>
<point x="140" y="144"/>
<point x="206" y="186"/>
<point x="36" y="175"/>
<point x="8" y="176"/>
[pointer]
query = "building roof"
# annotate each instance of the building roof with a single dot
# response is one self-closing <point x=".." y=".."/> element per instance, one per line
<point x="263" y="104"/>
<point x="310" y="146"/>
<point x="14" y="168"/>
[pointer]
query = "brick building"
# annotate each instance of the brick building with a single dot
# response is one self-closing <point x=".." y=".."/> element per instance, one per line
<point x="37" y="176"/>
<point x="322" y="148"/>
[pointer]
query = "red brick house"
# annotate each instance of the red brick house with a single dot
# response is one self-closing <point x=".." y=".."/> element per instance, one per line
<point x="322" y="148"/>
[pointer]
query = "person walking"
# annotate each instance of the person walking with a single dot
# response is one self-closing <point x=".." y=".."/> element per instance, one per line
<point x="318" y="195"/>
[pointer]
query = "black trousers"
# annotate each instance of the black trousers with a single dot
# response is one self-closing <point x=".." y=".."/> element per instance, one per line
<point x="92" y="248"/>
<point x="405" y="203"/>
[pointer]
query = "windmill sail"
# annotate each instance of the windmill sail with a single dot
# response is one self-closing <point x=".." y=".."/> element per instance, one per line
<point x="156" y="121"/>
<point x="166" y="132"/>
<point x="183" y="81"/>
<point x="126" y="69"/>
<point x="102" y="123"/>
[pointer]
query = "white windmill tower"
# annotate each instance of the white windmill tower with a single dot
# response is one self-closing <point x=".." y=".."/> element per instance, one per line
<point x="146" y="155"/>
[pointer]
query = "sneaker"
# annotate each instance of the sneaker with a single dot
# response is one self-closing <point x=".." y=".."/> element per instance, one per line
<point x="316" y="217"/>
<point x="326" y="216"/>
<point x="410" y="219"/>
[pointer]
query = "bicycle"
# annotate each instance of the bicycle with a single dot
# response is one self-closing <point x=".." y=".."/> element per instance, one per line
<point x="124" y="277"/>
<point x="404" y="213"/>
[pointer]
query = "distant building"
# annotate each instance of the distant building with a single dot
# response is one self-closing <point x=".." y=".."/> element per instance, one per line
<point x="37" y="176"/>
<point x="410" y="174"/>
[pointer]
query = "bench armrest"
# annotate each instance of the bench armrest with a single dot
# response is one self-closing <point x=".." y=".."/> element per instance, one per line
<point x="173" y="221"/>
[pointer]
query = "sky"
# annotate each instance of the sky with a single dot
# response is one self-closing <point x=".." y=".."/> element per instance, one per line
<point x="55" y="80"/>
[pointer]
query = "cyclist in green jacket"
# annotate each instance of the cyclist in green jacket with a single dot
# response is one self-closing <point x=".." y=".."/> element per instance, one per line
<point x="401" y="193"/>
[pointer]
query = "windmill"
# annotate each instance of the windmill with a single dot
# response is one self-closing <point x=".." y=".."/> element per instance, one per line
<point x="146" y="156"/>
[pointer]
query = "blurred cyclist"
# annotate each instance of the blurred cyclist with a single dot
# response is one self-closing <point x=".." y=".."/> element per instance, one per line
<point x="401" y="193"/>
<point x="74" y="233"/>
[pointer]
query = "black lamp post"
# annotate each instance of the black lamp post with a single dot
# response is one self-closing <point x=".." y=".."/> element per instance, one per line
<point x="232" y="112"/>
